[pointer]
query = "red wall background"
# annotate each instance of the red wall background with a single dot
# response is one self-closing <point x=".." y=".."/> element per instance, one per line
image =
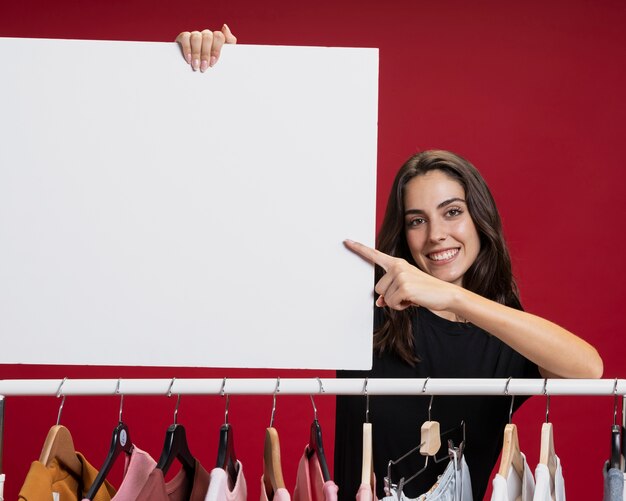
<point x="531" y="92"/>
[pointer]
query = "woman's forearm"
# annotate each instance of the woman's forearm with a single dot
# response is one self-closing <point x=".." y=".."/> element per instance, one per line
<point x="556" y="351"/>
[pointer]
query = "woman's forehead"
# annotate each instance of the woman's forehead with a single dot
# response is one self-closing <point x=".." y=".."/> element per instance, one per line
<point x="431" y="189"/>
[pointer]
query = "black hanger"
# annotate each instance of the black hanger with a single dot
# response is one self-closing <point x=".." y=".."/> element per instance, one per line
<point x="616" y="448"/>
<point x="120" y="442"/>
<point x="316" y="447"/>
<point x="226" y="458"/>
<point x="176" y="447"/>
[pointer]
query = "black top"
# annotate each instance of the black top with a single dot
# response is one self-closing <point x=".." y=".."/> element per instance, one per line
<point x="446" y="350"/>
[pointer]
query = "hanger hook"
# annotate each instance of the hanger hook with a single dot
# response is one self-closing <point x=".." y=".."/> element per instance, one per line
<point x="367" y="401"/>
<point x="615" y="403"/>
<point x="276" y="391"/>
<point x="62" y="401"/>
<point x="322" y="390"/>
<point x="222" y="393"/>
<point x="545" y="392"/>
<point x="169" y="394"/>
<point x="117" y="392"/>
<point x="430" y="404"/>
<point x="506" y="392"/>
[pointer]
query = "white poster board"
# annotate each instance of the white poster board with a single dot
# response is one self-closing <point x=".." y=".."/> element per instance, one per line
<point x="150" y="215"/>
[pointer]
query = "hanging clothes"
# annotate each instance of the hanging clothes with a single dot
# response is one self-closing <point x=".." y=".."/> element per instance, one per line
<point x="272" y="481"/>
<point x="56" y="482"/>
<point x="545" y="488"/>
<point x="280" y="494"/>
<point x="454" y="484"/>
<point x="137" y="469"/>
<point x="614" y="488"/>
<point x="310" y="484"/>
<point x="180" y="488"/>
<point x="2" y="477"/>
<point x="367" y="492"/>
<point x="513" y="487"/>
<point x="220" y="488"/>
<point x="442" y="347"/>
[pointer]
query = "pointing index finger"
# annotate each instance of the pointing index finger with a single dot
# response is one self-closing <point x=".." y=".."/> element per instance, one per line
<point x="372" y="255"/>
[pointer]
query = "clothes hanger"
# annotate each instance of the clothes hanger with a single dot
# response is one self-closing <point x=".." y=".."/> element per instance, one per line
<point x="367" y="464"/>
<point x="511" y="453"/>
<point x="430" y="433"/>
<point x="547" y="455"/>
<point x="120" y="442"/>
<point x="59" y="444"/>
<point x="430" y="443"/>
<point x="176" y="446"/>
<point x="226" y="457"/>
<point x="615" y="460"/>
<point x="315" y="440"/>
<point x="272" y="470"/>
<point x="458" y="451"/>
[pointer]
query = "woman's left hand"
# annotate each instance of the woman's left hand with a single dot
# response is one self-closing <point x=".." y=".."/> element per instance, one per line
<point x="403" y="284"/>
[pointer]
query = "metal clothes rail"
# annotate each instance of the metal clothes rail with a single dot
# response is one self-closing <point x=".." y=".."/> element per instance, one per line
<point x="312" y="386"/>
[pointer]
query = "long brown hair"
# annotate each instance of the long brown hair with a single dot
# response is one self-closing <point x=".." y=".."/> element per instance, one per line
<point x="490" y="275"/>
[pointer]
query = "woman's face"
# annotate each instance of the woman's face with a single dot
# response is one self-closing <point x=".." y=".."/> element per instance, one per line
<point x="441" y="235"/>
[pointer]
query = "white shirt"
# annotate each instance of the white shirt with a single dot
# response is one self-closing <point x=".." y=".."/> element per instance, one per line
<point x="545" y="489"/>
<point x="513" y="487"/>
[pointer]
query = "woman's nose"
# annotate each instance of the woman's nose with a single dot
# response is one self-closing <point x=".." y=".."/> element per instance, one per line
<point x="438" y="232"/>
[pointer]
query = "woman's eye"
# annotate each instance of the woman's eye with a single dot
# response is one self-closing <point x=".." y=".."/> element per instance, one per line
<point x="454" y="212"/>
<point x="415" y="221"/>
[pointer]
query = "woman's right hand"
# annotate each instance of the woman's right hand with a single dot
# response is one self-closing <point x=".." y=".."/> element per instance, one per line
<point x="201" y="49"/>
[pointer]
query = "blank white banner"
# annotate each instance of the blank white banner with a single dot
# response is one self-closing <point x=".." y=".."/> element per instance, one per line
<point x="150" y="215"/>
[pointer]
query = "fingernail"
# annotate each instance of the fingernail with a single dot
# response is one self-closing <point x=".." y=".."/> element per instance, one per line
<point x="226" y="26"/>
<point x="188" y="58"/>
<point x="213" y="61"/>
<point x="195" y="64"/>
<point x="203" y="66"/>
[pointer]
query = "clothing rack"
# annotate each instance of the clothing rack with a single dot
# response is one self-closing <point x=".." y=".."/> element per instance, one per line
<point x="311" y="386"/>
<point x="307" y="386"/>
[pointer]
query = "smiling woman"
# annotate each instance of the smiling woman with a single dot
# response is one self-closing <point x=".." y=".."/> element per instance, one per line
<point x="448" y="307"/>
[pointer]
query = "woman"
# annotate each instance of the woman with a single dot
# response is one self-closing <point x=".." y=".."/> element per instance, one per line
<point x="447" y="306"/>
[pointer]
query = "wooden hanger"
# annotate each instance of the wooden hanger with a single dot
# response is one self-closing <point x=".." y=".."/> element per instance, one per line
<point x="367" y="466"/>
<point x="272" y="471"/>
<point x="547" y="455"/>
<point x="60" y="446"/>
<point x="430" y="438"/>
<point x="511" y="453"/>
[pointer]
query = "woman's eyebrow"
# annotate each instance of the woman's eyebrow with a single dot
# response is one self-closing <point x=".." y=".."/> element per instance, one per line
<point x="450" y="201"/>
<point x="440" y="206"/>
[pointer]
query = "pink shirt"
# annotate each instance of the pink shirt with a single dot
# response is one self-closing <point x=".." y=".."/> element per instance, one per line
<point x="220" y="490"/>
<point x="155" y="488"/>
<point x="310" y="485"/>
<point x="136" y="472"/>
<point x="281" y="494"/>
<point x="367" y="492"/>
